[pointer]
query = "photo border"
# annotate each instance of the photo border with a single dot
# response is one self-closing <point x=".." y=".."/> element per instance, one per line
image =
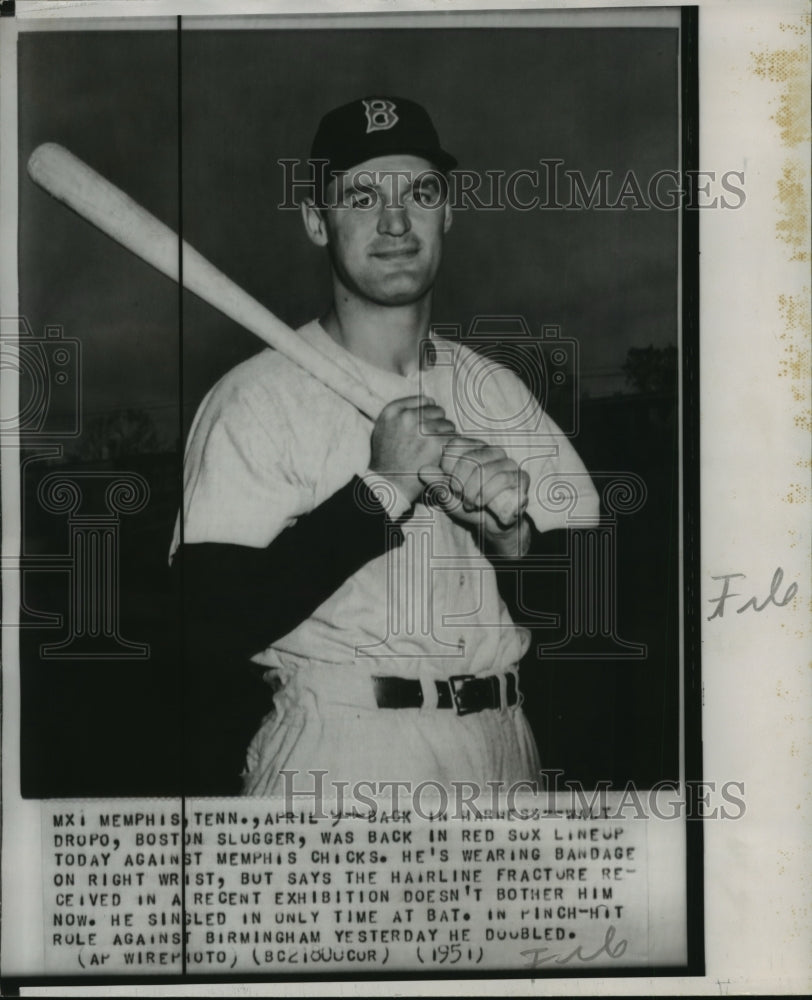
<point x="691" y="680"/>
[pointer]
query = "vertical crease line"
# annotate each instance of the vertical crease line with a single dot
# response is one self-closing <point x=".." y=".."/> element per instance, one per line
<point x="182" y="632"/>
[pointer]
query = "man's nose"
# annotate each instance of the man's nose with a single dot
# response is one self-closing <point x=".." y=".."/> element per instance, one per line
<point x="394" y="220"/>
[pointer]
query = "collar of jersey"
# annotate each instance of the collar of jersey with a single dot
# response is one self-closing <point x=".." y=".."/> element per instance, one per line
<point x="389" y="385"/>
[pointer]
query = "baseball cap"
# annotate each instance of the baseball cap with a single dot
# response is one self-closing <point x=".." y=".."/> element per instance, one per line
<point x="377" y="126"/>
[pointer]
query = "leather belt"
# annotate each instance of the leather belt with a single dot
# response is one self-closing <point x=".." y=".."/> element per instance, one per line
<point x="465" y="692"/>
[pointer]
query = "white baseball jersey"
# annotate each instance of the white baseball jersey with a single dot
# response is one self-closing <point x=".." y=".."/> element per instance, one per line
<point x="269" y="444"/>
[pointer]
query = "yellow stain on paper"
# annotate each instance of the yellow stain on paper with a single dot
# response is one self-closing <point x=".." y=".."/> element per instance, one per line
<point x="793" y="193"/>
<point x="795" y="364"/>
<point x="798" y="493"/>
<point x="790" y="67"/>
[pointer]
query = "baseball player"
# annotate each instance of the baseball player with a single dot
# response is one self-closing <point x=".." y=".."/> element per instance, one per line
<point x="341" y="605"/>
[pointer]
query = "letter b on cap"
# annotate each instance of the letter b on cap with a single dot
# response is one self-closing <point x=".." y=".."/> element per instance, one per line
<point x="380" y="115"/>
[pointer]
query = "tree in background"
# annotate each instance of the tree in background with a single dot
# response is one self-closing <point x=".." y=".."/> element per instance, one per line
<point x="651" y="370"/>
<point x="116" y="435"/>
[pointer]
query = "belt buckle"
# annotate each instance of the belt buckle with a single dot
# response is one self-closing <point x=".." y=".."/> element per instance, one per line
<point x="455" y="683"/>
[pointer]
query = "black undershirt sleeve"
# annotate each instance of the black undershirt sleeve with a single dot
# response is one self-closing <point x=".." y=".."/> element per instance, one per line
<point x="236" y="600"/>
<point x="548" y="542"/>
<point x="519" y="579"/>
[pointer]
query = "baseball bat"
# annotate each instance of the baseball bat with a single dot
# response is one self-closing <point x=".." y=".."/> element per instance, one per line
<point x="77" y="185"/>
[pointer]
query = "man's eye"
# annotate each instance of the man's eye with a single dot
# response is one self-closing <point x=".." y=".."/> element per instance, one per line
<point x="362" y="199"/>
<point x="427" y="194"/>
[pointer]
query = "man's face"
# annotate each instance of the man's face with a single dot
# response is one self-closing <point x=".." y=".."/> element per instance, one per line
<point x="384" y="225"/>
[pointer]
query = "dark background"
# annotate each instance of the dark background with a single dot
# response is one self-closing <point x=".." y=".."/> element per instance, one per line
<point x="223" y="107"/>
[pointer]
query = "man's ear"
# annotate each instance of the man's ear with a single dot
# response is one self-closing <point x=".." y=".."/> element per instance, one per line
<point x="314" y="222"/>
<point x="447" y="216"/>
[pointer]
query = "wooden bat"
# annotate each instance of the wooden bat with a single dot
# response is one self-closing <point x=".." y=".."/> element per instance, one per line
<point x="96" y="199"/>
